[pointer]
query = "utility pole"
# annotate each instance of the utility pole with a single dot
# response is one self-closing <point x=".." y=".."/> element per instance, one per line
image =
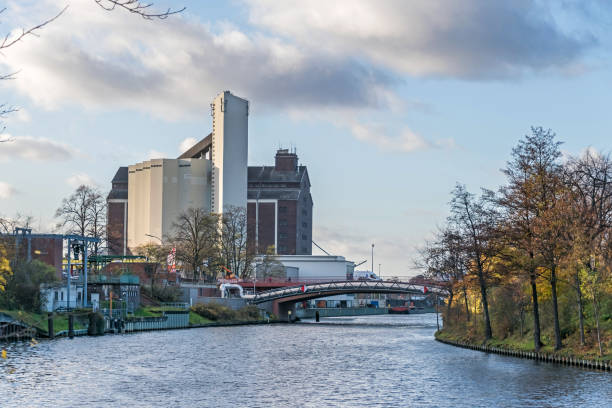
<point x="85" y="273"/>
<point x="372" y="258"/>
<point x="68" y="276"/>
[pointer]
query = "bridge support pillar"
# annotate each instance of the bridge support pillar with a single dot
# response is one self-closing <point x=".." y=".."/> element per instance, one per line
<point x="279" y="309"/>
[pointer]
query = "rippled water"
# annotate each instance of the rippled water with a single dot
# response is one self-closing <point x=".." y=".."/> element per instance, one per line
<point x="374" y="361"/>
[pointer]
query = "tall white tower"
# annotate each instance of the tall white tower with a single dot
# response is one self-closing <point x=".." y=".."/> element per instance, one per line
<point x="230" y="143"/>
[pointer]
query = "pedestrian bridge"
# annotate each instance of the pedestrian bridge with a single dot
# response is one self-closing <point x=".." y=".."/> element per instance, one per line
<point x="280" y="301"/>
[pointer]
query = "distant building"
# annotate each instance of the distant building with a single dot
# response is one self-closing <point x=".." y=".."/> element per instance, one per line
<point x="117" y="213"/>
<point x="279" y="207"/>
<point x="147" y="197"/>
<point x="25" y="245"/>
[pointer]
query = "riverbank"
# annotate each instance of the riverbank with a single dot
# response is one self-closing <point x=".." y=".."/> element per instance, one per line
<point x="508" y="347"/>
<point x="30" y="324"/>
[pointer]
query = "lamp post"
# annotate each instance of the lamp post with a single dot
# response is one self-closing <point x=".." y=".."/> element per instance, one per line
<point x="372" y="258"/>
<point x="156" y="237"/>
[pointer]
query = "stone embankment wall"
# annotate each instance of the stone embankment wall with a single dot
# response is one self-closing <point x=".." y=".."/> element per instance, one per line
<point x="545" y="357"/>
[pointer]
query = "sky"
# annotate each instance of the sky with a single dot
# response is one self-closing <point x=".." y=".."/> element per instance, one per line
<point x="389" y="103"/>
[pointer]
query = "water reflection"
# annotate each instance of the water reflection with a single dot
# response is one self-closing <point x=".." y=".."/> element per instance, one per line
<point x="363" y="361"/>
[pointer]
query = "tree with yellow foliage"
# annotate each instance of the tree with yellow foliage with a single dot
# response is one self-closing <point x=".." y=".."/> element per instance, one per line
<point x="5" y="268"/>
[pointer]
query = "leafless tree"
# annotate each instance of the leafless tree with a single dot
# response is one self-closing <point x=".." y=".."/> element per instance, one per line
<point x="235" y="253"/>
<point x="196" y="237"/>
<point x="475" y="223"/>
<point x="84" y="214"/>
<point x="8" y="41"/>
<point x="143" y="9"/>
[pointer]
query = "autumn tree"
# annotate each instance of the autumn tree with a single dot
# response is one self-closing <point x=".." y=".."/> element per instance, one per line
<point x="528" y="193"/>
<point x="474" y="221"/>
<point x="589" y="179"/>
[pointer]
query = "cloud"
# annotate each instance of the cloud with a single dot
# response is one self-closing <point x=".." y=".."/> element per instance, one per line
<point x="474" y="39"/>
<point x="35" y="148"/>
<point x="175" y="68"/>
<point x="396" y="254"/>
<point x="406" y="142"/>
<point x="6" y="190"/>
<point x="187" y="143"/>
<point x="154" y="154"/>
<point x="79" y="179"/>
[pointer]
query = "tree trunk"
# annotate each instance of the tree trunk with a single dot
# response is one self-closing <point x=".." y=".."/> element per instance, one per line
<point x="485" y="303"/>
<point x="537" y="342"/>
<point x="580" y="311"/>
<point x="467" y="307"/>
<point x="553" y="287"/>
<point x="450" y="303"/>
<point x="596" y="310"/>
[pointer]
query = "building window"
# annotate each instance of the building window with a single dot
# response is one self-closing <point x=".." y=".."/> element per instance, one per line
<point x="304" y="237"/>
<point x="305" y="213"/>
<point x="305" y="250"/>
<point x="282" y="248"/>
<point x="56" y="295"/>
<point x="282" y="222"/>
<point x="282" y="209"/>
<point x="282" y="235"/>
<point x="305" y="224"/>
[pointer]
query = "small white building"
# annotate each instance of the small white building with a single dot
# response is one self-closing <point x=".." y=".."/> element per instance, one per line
<point x="315" y="267"/>
<point x="55" y="296"/>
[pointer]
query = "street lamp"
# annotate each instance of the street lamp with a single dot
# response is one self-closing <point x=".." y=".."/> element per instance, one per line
<point x="372" y="258"/>
<point x="156" y="237"/>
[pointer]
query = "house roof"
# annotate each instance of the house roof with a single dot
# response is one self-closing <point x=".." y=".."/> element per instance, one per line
<point x="268" y="174"/>
<point x="121" y="176"/>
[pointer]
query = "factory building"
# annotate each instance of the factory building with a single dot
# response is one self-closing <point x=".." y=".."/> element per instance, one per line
<point x="279" y="207"/>
<point x="147" y="197"/>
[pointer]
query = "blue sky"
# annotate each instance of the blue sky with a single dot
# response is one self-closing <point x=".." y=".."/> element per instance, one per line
<point x="389" y="103"/>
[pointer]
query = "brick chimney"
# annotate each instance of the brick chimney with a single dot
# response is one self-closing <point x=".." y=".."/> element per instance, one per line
<point x="285" y="161"/>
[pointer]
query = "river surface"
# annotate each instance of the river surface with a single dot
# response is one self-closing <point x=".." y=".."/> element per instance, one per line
<point x="373" y="361"/>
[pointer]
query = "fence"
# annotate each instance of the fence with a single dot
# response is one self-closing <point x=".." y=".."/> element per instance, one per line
<point x="169" y="320"/>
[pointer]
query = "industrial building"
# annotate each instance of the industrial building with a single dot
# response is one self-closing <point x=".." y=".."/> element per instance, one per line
<point x="279" y="207"/>
<point x="147" y="197"/>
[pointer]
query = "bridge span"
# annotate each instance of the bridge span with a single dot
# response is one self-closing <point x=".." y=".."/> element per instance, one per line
<point x="281" y="300"/>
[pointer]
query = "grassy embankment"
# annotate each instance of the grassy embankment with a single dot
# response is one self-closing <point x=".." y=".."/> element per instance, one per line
<point x="40" y="320"/>
<point x="198" y="315"/>
<point x="571" y="343"/>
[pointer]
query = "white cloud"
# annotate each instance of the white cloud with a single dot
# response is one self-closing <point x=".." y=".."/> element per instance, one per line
<point x="35" y="148"/>
<point x="406" y="141"/>
<point x="175" y="68"/>
<point x="466" y="39"/>
<point x="6" y="190"/>
<point x="396" y="254"/>
<point x="187" y="143"/>
<point x="79" y="179"/>
<point x="154" y="154"/>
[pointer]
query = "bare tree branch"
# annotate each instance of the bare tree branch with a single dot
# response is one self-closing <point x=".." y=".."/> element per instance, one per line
<point x="8" y="41"/>
<point x="137" y="7"/>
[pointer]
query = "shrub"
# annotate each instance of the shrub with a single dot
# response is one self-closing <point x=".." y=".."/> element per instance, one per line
<point x="217" y="312"/>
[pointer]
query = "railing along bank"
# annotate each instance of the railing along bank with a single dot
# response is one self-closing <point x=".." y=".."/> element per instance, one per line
<point x="532" y="355"/>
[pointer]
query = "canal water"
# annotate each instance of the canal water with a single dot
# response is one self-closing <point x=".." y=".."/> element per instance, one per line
<point x="373" y="361"/>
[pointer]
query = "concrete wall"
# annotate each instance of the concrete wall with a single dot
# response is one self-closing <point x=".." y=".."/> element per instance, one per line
<point x="317" y="267"/>
<point x="161" y="189"/>
<point x="229" y="151"/>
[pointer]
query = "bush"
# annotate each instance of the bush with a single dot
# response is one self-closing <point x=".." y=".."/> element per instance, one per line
<point x="218" y="312"/>
<point x="162" y="293"/>
<point x="23" y="287"/>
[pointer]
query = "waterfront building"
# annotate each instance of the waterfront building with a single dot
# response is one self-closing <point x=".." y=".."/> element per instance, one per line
<point x="280" y="206"/>
<point x="147" y="197"/>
